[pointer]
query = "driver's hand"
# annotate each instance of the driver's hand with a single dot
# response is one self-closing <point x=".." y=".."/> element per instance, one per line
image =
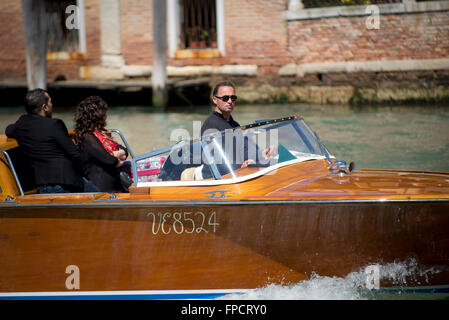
<point x="247" y="162"/>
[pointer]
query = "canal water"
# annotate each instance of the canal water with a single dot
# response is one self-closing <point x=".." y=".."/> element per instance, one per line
<point x="387" y="137"/>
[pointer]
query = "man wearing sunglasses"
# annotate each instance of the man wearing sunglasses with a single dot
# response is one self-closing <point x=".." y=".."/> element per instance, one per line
<point x="224" y="99"/>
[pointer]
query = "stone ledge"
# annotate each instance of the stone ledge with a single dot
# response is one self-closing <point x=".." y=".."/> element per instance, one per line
<point x="132" y="71"/>
<point x="226" y="70"/>
<point x="344" y="94"/>
<point x="363" y="66"/>
<point x="100" y="73"/>
<point x="352" y="11"/>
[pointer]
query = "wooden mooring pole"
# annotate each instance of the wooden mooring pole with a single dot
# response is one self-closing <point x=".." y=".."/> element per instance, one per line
<point x="35" y="31"/>
<point x="159" y="73"/>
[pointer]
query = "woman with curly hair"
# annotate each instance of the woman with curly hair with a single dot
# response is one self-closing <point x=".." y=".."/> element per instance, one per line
<point x="103" y="156"/>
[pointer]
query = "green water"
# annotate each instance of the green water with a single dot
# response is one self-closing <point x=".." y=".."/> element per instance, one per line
<point x="388" y="137"/>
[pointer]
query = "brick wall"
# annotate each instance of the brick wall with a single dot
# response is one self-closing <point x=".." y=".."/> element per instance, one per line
<point x="93" y="32"/>
<point x="255" y="34"/>
<point x="405" y="36"/>
<point x="137" y="31"/>
<point x="12" y="43"/>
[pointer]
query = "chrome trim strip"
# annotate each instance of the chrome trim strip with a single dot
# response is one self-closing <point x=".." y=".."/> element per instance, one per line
<point x="218" y="203"/>
<point x="11" y="166"/>
<point x="323" y="149"/>
<point x="124" y="141"/>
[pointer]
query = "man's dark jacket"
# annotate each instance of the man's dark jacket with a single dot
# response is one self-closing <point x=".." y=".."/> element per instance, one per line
<point x="216" y="121"/>
<point x="54" y="157"/>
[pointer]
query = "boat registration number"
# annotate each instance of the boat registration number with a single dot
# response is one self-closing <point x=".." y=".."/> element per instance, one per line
<point x="183" y="222"/>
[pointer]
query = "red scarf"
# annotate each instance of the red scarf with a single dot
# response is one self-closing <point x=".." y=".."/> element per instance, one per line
<point x="106" y="140"/>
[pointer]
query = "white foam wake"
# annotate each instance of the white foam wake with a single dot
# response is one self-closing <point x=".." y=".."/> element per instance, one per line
<point x="358" y="285"/>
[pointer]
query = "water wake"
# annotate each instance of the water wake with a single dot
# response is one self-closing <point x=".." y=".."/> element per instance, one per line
<point x="360" y="285"/>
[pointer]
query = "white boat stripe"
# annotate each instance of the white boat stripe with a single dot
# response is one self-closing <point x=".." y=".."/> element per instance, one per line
<point x="129" y="292"/>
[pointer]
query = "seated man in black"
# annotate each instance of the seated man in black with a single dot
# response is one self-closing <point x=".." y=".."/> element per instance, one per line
<point x="224" y="99"/>
<point x="221" y="119"/>
<point x="56" y="161"/>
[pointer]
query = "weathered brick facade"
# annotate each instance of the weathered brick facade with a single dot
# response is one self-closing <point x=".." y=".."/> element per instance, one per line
<point x="12" y="47"/>
<point x="137" y="31"/>
<point x="400" y="37"/>
<point x="257" y="33"/>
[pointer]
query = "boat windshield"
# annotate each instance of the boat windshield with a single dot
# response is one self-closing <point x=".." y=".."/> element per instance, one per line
<point x="231" y="153"/>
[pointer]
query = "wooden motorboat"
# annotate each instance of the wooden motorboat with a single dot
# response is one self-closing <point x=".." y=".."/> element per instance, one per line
<point x="232" y="211"/>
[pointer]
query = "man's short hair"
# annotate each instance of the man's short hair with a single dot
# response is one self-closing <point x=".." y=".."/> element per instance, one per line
<point x="34" y="100"/>
<point x="222" y="84"/>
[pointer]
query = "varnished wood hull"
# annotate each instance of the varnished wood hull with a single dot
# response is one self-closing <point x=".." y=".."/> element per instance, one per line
<point x="216" y="245"/>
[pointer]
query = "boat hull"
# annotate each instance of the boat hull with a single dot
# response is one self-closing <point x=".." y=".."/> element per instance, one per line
<point x="216" y="245"/>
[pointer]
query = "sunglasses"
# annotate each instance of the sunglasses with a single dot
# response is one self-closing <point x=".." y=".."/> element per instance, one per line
<point x="226" y="98"/>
